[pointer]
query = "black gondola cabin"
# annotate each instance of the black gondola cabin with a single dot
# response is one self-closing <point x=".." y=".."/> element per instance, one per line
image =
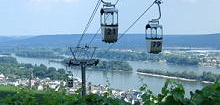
<point x="69" y="79"/>
<point x="109" y="23"/>
<point x="154" y="37"/>
<point x="69" y="82"/>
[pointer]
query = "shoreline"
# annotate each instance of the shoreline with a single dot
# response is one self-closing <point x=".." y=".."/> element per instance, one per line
<point x="171" y="77"/>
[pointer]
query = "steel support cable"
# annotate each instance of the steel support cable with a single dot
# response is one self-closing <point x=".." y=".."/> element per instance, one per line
<point x="116" y="2"/>
<point x="94" y="36"/>
<point x="98" y="32"/>
<point x="131" y="25"/>
<point x="99" y="28"/>
<point x="89" y="22"/>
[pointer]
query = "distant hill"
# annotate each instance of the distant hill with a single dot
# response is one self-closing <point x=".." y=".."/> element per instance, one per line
<point x="5" y="39"/>
<point x="199" y="41"/>
<point x="132" y="41"/>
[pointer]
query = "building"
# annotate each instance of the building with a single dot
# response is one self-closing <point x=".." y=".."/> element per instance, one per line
<point x="2" y="77"/>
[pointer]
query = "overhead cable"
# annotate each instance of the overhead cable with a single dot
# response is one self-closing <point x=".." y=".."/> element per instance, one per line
<point x="99" y="28"/>
<point x="89" y="22"/>
<point x="131" y="25"/>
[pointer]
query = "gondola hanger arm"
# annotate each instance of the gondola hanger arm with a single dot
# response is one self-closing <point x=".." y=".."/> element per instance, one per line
<point x="104" y="2"/>
<point x="158" y="2"/>
<point x="108" y="4"/>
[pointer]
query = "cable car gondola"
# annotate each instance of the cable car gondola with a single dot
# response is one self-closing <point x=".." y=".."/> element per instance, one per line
<point x="109" y="23"/>
<point x="69" y="79"/>
<point x="154" y="34"/>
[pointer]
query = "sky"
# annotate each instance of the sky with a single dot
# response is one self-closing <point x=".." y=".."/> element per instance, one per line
<point x="48" y="17"/>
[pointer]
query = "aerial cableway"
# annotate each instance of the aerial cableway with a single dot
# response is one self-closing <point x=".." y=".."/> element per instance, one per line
<point x="109" y="22"/>
<point x="154" y="33"/>
<point x="83" y="55"/>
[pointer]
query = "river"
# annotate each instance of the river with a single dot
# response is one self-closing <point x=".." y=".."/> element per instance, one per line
<point x="128" y="80"/>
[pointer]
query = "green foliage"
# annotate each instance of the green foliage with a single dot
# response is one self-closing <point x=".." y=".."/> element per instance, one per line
<point x="61" y="71"/>
<point x="39" y="53"/>
<point x="209" y="95"/>
<point x="206" y="76"/>
<point x="23" y="97"/>
<point x="10" y="68"/>
<point x="7" y="90"/>
<point x="131" y="56"/>
<point x="43" y="72"/>
<point x="57" y="98"/>
<point x="172" y="93"/>
<point x="141" y="56"/>
<point x="109" y="65"/>
<point x="114" y="65"/>
<point x="94" y="99"/>
<point x="209" y="76"/>
<point x="51" y="97"/>
<point x="147" y="97"/>
<point x="7" y="59"/>
<point x="182" y="60"/>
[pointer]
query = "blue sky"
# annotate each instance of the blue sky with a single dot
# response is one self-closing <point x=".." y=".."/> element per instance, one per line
<point x="43" y="17"/>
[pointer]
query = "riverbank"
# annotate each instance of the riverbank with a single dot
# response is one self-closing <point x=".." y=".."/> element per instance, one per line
<point x="171" y="77"/>
<point x="120" y="79"/>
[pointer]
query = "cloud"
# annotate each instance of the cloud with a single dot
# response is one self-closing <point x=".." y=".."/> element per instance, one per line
<point x="190" y="1"/>
<point x="51" y="1"/>
<point x="46" y="5"/>
<point x="218" y="1"/>
<point x="199" y="1"/>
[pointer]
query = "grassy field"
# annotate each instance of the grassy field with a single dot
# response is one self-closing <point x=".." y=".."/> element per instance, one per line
<point x="7" y="90"/>
<point x="11" y="90"/>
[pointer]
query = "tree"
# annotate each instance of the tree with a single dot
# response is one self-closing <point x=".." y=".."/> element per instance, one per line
<point x="61" y="71"/>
